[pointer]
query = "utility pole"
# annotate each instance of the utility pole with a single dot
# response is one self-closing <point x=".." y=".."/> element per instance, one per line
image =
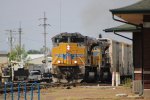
<point x="20" y="33"/>
<point x="11" y="48"/>
<point x="44" y="26"/>
<point x="20" y="46"/>
<point x="10" y="38"/>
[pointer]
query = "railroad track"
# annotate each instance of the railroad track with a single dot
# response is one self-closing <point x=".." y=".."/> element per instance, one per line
<point x="47" y="85"/>
<point x="28" y="86"/>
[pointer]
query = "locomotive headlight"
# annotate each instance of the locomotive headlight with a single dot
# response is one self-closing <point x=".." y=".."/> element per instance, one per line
<point x="75" y="61"/>
<point x="58" y="61"/>
<point x="68" y="47"/>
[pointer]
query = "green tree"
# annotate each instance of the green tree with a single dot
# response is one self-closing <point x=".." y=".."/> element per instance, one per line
<point x="42" y="50"/>
<point x="17" y="54"/>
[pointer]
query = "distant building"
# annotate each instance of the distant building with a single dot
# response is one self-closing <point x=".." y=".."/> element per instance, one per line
<point x="3" y="57"/>
<point x="37" y="59"/>
<point x="3" y="61"/>
<point x="4" y="70"/>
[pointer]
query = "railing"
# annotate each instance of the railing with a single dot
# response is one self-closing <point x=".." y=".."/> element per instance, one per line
<point x="35" y="83"/>
<point x="11" y="89"/>
<point x="25" y="90"/>
<point x="11" y="84"/>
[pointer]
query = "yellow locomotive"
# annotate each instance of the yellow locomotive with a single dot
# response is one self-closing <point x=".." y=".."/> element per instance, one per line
<point x="75" y="57"/>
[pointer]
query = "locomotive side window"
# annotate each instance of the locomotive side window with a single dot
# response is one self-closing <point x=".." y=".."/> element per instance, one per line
<point x="56" y="40"/>
<point x="69" y="39"/>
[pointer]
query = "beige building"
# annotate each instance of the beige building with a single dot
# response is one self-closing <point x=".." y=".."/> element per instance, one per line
<point x="37" y="59"/>
<point x="3" y="65"/>
<point x="3" y="60"/>
<point x="3" y="57"/>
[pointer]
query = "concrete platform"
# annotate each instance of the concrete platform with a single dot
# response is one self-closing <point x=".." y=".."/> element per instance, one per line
<point x="147" y="93"/>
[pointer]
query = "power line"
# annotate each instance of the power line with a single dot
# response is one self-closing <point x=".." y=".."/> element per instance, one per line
<point x="34" y="40"/>
<point x="44" y="26"/>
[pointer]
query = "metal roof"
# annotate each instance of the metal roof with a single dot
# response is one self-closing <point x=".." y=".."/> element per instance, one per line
<point x="34" y="56"/>
<point x="139" y="7"/>
<point x="123" y="28"/>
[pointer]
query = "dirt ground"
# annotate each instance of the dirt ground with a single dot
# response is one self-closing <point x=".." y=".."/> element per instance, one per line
<point x="82" y="93"/>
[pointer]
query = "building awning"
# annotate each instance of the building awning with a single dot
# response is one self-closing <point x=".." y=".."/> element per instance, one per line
<point x="133" y="13"/>
<point x="124" y="28"/>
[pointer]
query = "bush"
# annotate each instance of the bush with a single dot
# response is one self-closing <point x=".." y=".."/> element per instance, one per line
<point x="127" y="82"/>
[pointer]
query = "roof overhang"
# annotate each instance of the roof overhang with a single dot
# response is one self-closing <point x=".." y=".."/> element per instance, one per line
<point x="124" y="28"/>
<point x="132" y="18"/>
<point x="133" y="13"/>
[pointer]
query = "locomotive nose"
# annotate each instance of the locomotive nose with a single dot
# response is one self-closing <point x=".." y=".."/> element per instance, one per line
<point x="68" y="58"/>
<point x="68" y="47"/>
<point x="68" y="54"/>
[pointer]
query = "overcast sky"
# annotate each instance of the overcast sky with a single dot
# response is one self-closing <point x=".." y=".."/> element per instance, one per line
<point x="88" y="17"/>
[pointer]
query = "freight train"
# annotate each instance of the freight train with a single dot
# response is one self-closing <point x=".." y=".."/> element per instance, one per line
<point x="76" y="57"/>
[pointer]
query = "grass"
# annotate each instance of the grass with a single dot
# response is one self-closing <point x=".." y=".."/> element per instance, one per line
<point x="127" y="83"/>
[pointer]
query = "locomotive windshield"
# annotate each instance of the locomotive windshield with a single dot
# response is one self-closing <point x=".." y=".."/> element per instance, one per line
<point x="66" y="39"/>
